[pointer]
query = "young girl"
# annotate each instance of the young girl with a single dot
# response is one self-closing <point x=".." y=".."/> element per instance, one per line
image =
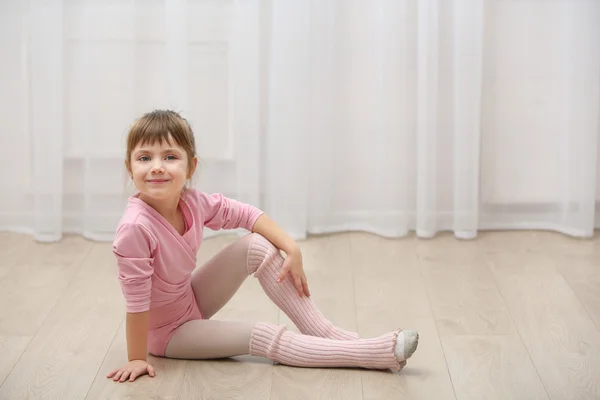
<point x="169" y="302"/>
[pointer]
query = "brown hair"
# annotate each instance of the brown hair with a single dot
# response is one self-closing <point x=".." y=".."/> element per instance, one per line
<point x="162" y="125"/>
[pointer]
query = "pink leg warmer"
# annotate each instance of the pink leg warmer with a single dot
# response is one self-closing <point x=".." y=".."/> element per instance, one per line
<point x="278" y="344"/>
<point x="265" y="262"/>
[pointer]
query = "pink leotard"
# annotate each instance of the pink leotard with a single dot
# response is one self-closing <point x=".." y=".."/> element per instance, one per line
<point x="155" y="262"/>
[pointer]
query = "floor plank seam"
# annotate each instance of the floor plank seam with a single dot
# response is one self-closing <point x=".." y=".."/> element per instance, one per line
<point x="512" y="320"/>
<point x="435" y="324"/>
<point x="16" y="362"/>
<point x="185" y="374"/>
<point x="84" y="258"/>
<point x="362" y="389"/>
<point x="105" y="356"/>
<point x="581" y="303"/>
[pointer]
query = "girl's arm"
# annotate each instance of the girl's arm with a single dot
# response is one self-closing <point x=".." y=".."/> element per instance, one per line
<point x="134" y="248"/>
<point x="137" y="335"/>
<point x="268" y="228"/>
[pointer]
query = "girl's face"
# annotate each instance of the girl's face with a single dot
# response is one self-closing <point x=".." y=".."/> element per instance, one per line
<point x="159" y="171"/>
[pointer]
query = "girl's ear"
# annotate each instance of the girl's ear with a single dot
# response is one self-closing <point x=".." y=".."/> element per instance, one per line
<point x="193" y="167"/>
<point x="128" y="167"/>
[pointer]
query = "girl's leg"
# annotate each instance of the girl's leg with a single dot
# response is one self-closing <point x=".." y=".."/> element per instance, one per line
<point x="209" y="339"/>
<point x="216" y="282"/>
<point x="265" y="262"/>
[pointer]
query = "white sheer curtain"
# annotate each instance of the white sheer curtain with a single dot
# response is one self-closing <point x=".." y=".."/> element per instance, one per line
<point x="387" y="116"/>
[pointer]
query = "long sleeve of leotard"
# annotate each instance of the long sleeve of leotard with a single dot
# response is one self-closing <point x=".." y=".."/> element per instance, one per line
<point x="220" y="212"/>
<point x="134" y="246"/>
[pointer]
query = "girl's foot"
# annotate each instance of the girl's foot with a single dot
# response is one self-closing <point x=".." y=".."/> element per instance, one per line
<point x="406" y="344"/>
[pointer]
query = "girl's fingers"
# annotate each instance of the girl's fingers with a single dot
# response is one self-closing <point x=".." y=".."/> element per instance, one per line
<point x="305" y="287"/>
<point x="124" y="376"/>
<point x="284" y="270"/>
<point x="118" y="375"/>
<point x="298" y="283"/>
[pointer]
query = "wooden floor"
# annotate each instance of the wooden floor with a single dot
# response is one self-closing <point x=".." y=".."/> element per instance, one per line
<point x="512" y="315"/>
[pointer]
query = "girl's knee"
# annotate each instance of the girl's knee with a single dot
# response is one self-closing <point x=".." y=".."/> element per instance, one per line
<point x="259" y="250"/>
<point x="259" y="243"/>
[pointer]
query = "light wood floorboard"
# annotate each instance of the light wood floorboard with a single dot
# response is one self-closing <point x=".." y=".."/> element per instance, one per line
<point x="510" y="315"/>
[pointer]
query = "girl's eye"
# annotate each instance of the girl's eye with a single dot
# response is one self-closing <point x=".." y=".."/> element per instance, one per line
<point x="144" y="158"/>
<point x="171" y="157"/>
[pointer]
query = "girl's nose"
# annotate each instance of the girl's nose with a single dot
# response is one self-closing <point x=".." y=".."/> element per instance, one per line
<point x="157" y="168"/>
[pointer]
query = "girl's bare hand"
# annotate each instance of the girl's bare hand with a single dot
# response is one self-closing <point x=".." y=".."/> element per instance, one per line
<point x="292" y="265"/>
<point x="132" y="370"/>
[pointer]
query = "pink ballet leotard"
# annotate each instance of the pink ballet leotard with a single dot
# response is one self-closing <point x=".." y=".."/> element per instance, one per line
<point x="155" y="262"/>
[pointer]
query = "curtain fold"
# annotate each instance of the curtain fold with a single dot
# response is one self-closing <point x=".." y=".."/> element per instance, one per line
<point x="286" y="149"/>
<point x="467" y="69"/>
<point x="46" y="91"/>
<point x="388" y="116"/>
